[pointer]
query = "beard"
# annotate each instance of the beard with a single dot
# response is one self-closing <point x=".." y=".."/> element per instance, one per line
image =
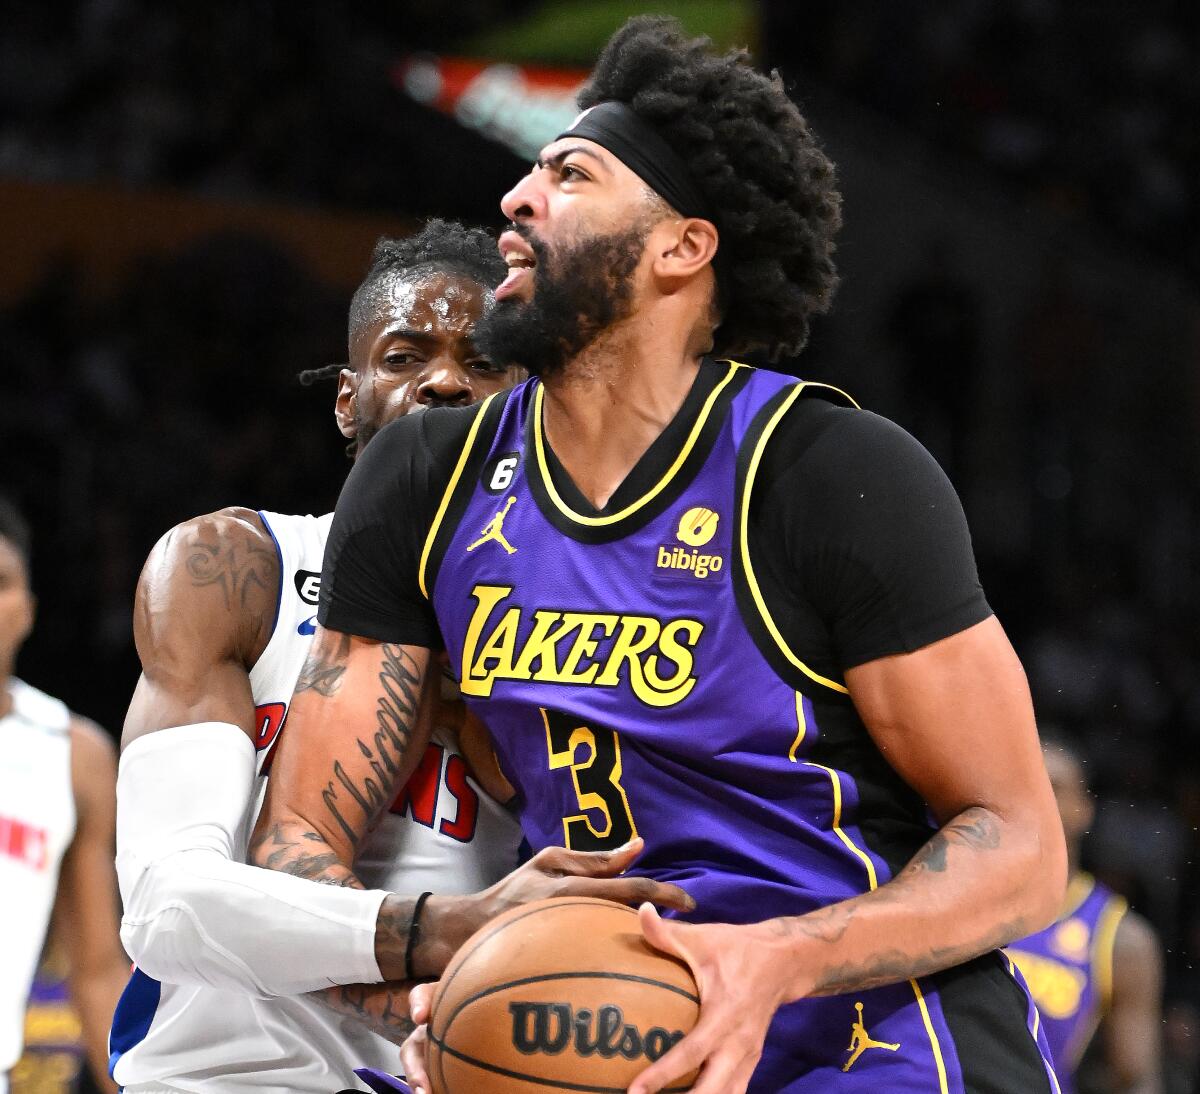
<point x="580" y="290"/>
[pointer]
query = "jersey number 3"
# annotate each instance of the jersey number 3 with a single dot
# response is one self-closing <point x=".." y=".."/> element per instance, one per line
<point x="593" y="754"/>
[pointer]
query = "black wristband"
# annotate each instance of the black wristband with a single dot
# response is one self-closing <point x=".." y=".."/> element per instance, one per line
<point x="414" y="931"/>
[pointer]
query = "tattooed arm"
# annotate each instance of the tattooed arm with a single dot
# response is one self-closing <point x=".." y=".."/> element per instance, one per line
<point x="956" y="722"/>
<point x="202" y="616"/>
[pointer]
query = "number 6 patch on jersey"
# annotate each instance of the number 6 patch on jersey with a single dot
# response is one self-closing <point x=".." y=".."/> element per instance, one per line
<point x="593" y="755"/>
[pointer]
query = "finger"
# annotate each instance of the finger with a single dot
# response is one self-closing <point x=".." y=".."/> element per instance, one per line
<point x="412" y="1060"/>
<point x="658" y="932"/>
<point x="420" y="1002"/>
<point x="592" y="863"/>
<point x="629" y="890"/>
<point x="704" y="1041"/>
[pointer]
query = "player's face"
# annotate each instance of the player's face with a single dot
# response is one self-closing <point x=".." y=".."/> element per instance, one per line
<point x="581" y="225"/>
<point x="16" y="604"/>
<point x="419" y="352"/>
<point x="1070" y="792"/>
<point x="575" y="191"/>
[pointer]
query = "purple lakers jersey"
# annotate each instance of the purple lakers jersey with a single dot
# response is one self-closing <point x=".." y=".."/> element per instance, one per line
<point x="636" y="684"/>
<point x="1068" y="967"/>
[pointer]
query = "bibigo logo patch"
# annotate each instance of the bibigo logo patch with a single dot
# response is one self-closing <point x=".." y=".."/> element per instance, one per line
<point x="696" y="527"/>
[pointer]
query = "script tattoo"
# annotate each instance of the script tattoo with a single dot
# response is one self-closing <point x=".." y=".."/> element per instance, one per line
<point x="326" y="664"/>
<point x="395" y="711"/>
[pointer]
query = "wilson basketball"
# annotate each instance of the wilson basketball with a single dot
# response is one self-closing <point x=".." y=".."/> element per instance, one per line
<point x="563" y="994"/>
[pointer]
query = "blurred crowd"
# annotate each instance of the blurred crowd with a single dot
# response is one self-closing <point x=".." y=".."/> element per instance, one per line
<point x="1090" y="107"/>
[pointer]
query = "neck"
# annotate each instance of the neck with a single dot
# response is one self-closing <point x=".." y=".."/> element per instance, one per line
<point x="610" y="403"/>
<point x="6" y="699"/>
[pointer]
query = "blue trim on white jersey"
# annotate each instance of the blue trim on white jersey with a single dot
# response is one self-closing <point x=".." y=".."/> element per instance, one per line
<point x="278" y="554"/>
<point x="133" y="1016"/>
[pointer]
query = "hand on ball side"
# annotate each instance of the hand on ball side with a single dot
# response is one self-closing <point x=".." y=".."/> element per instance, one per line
<point x="740" y="977"/>
<point x="447" y="922"/>
<point x="413" y="1051"/>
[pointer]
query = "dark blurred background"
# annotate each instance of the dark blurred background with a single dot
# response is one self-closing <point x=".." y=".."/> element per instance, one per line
<point x="189" y="193"/>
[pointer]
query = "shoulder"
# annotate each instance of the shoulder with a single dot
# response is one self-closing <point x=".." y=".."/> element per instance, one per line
<point x="212" y="578"/>
<point x="1135" y="941"/>
<point x="838" y="442"/>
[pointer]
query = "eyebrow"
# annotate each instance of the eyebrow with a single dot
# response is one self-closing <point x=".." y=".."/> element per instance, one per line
<point x="409" y="334"/>
<point x="562" y="154"/>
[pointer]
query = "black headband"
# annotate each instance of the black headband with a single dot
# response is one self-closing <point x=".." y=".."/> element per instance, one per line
<point x="638" y="145"/>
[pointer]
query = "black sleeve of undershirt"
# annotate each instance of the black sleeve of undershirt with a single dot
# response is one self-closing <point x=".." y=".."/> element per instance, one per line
<point x="868" y="532"/>
<point x="369" y="581"/>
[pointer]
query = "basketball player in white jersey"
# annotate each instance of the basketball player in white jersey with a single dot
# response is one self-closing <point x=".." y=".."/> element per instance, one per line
<point x="224" y="613"/>
<point x="56" y="832"/>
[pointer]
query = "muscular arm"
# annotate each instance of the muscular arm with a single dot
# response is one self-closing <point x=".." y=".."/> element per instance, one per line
<point x="1132" y="1027"/>
<point x="956" y="722"/>
<point x="353" y="740"/>
<point x="86" y="913"/>
<point x="202" y="615"/>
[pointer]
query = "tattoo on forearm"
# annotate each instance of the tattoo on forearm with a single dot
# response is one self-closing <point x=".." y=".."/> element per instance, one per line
<point x="396" y="711"/>
<point x="382" y="1008"/>
<point x="283" y="850"/>
<point x="975" y="829"/>
<point x="326" y="665"/>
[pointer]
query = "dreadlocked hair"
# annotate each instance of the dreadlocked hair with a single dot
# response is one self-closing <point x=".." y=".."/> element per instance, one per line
<point x="442" y="245"/>
<point x="757" y="163"/>
<point x="310" y="376"/>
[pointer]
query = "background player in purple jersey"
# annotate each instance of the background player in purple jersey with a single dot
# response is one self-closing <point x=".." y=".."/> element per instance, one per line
<point x="1097" y="969"/>
<point x="830" y="744"/>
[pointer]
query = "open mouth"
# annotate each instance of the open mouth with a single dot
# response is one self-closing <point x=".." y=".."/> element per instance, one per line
<point x="518" y="256"/>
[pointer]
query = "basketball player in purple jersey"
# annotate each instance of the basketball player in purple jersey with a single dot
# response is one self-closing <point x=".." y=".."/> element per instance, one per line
<point x="1098" y="967"/>
<point x="223" y="619"/>
<point x="704" y="604"/>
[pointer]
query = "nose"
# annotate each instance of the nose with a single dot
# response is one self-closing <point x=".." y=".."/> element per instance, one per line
<point x="526" y="200"/>
<point x="445" y="383"/>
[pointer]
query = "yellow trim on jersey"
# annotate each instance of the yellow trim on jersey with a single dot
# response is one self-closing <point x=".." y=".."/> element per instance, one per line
<point x="744" y="545"/>
<point x="943" y="1085"/>
<point x="837" y="823"/>
<point x="1103" y="943"/>
<point x="873" y="882"/>
<point x="1079" y="888"/>
<point x="599" y="522"/>
<point x="802" y="727"/>
<point x="450" y="488"/>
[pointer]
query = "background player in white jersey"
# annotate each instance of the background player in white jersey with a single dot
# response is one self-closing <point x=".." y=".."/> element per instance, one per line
<point x="56" y="831"/>
<point x="224" y="614"/>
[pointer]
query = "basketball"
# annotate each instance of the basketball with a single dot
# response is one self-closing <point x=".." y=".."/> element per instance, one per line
<point x="562" y="994"/>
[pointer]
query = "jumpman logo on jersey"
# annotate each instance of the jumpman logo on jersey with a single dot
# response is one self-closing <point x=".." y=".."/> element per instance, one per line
<point x="495" y="530"/>
<point x="861" y="1040"/>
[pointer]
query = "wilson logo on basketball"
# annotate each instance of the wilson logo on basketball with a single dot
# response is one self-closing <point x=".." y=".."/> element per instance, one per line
<point x="549" y="1028"/>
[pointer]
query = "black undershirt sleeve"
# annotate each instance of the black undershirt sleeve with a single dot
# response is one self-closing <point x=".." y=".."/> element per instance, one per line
<point x="862" y="537"/>
<point x="369" y="583"/>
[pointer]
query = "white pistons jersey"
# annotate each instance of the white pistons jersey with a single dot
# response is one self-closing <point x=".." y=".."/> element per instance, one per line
<point x="37" y="822"/>
<point x="443" y="834"/>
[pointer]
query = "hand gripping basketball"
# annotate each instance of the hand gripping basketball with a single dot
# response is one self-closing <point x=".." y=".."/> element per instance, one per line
<point x="553" y="872"/>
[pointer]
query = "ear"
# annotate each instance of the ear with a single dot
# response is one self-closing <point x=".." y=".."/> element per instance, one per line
<point x="684" y="248"/>
<point x="343" y="407"/>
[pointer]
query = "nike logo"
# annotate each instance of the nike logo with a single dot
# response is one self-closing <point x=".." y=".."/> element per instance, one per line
<point x="309" y="626"/>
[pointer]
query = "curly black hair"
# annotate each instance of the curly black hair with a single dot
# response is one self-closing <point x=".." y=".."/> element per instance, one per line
<point x="758" y="165"/>
<point x="443" y="245"/>
<point x="15" y="529"/>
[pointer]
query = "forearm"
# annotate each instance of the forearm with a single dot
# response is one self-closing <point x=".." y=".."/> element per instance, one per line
<point x="977" y="884"/>
<point x="381" y="1008"/>
<point x="95" y="998"/>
